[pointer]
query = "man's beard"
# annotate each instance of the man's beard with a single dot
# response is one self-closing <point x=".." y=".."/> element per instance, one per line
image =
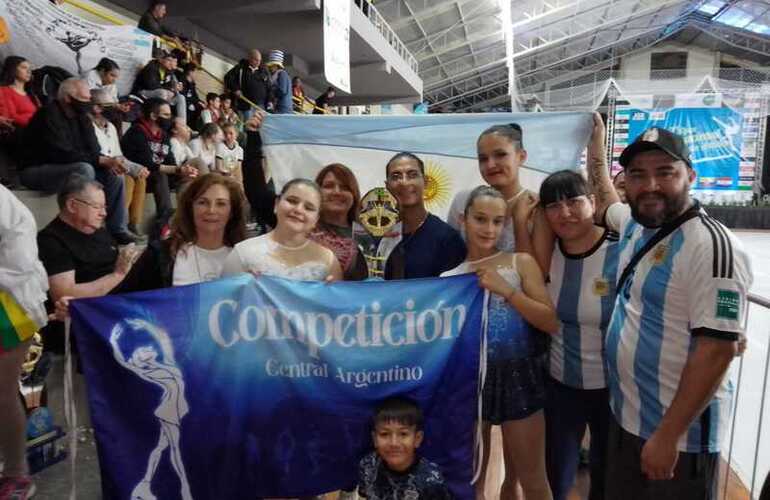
<point x="672" y="208"/>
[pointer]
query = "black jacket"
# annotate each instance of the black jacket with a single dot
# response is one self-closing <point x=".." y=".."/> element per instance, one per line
<point x="254" y="85"/>
<point x="149" y="24"/>
<point x="54" y="137"/>
<point x="138" y="148"/>
<point x="154" y="76"/>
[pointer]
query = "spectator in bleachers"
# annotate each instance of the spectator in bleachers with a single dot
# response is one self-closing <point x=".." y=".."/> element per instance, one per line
<point x="103" y="76"/>
<point x="251" y="80"/>
<point x="60" y="141"/>
<point x="212" y="111"/>
<point x="158" y="79"/>
<point x="204" y="148"/>
<point x="228" y="116"/>
<point x="109" y="141"/>
<point x="323" y="101"/>
<point x="298" y="94"/>
<point x="180" y="142"/>
<point x="147" y="142"/>
<point x="257" y="184"/>
<point x="18" y="106"/>
<point x="78" y="254"/>
<point x="281" y="83"/>
<point x="152" y="21"/>
<point x="190" y="92"/>
<point x="230" y="154"/>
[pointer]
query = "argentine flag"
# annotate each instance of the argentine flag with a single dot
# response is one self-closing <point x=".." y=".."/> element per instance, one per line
<point x="300" y="145"/>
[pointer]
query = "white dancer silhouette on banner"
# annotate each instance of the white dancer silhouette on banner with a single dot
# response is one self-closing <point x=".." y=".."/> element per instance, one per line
<point x="173" y="405"/>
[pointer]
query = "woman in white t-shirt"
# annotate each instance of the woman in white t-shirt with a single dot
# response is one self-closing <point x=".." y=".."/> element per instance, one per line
<point x="209" y="221"/>
<point x="204" y="148"/>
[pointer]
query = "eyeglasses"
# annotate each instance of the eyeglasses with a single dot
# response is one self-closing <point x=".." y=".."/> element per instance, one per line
<point x="95" y="206"/>
<point x="410" y="176"/>
<point x="571" y="204"/>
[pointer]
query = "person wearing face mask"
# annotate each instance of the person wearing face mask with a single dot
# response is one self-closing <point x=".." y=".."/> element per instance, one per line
<point x="109" y="141"/>
<point x="286" y="251"/>
<point x="147" y="143"/>
<point x="60" y="141"/>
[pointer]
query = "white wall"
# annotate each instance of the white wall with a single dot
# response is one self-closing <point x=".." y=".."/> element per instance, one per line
<point x="635" y="70"/>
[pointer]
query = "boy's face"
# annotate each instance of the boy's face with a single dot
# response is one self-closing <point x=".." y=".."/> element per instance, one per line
<point x="230" y="135"/>
<point x="396" y="444"/>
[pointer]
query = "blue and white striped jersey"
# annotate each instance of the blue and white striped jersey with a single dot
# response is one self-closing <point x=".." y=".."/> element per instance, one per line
<point x="582" y="287"/>
<point x="694" y="282"/>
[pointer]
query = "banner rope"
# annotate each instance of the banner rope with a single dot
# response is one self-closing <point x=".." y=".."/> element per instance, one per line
<point x="70" y="414"/>
<point x="478" y="459"/>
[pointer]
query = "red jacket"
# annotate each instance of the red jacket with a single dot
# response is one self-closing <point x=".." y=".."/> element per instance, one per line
<point x="17" y="107"/>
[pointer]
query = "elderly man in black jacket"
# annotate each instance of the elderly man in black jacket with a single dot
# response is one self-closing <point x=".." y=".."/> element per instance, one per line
<point x="60" y="141"/>
<point x="251" y="80"/>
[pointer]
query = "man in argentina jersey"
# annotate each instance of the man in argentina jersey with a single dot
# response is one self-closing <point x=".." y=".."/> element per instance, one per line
<point x="674" y="329"/>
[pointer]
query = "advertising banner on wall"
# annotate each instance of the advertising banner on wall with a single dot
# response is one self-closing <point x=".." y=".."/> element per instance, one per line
<point x="46" y="35"/>
<point x="337" y="43"/>
<point x="714" y="136"/>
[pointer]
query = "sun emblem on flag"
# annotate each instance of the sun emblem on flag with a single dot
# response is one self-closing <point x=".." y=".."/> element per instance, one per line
<point x="438" y="185"/>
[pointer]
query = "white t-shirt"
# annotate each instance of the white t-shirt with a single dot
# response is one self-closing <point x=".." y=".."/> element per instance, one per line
<point x="230" y="157"/>
<point x="109" y="142"/>
<point x="194" y="264"/>
<point x="694" y="282"/>
<point x="94" y="80"/>
<point x="181" y="151"/>
<point x="205" y="156"/>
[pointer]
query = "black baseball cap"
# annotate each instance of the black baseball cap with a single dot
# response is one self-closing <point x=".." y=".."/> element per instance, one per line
<point x="657" y="138"/>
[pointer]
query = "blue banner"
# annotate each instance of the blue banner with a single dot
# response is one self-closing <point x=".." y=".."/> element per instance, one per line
<point x="244" y="388"/>
<point x="714" y="136"/>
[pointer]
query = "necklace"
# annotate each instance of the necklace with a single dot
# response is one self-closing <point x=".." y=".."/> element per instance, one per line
<point x="281" y="245"/>
<point x="513" y="198"/>
<point x="211" y="274"/>
<point x="483" y="259"/>
<point x="197" y="264"/>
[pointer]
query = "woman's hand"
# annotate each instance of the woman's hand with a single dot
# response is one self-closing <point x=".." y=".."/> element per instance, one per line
<point x="523" y="208"/>
<point x="490" y="279"/>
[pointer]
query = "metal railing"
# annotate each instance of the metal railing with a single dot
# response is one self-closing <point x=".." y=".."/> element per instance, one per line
<point x="756" y="477"/>
<point x="379" y="22"/>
